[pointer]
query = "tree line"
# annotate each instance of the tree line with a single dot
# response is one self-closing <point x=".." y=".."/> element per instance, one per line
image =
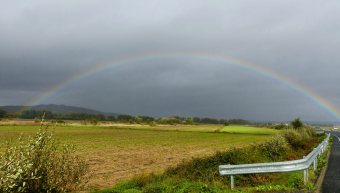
<point x="36" y="114"/>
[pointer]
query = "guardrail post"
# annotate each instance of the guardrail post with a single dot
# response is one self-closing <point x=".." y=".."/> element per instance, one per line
<point x="305" y="174"/>
<point x="232" y="182"/>
<point x="315" y="163"/>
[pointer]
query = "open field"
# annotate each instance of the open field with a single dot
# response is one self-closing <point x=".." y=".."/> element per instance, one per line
<point x="121" y="152"/>
<point x="248" y="130"/>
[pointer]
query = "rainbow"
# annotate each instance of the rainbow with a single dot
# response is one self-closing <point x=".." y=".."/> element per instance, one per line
<point x="264" y="71"/>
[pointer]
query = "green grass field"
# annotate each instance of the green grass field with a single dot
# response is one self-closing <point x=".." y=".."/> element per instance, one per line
<point x="248" y="130"/>
<point x="120" y="152"/>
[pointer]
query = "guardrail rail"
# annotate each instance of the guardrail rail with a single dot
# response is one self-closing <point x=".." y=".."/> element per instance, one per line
<point x="286" y="166"/>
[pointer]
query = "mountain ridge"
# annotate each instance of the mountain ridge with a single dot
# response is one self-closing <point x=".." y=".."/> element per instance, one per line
<point x="54" y="108"/>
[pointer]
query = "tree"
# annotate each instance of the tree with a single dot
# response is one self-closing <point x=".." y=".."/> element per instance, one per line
<point x="239" y="122"/>
<point x="2" y="113"/>
<point x="226" y="123"/>
<point x="125" y="118"/>
<point x="32" y="114"/>
<point x="297" y="123"/>
<point x="189" y="121"/>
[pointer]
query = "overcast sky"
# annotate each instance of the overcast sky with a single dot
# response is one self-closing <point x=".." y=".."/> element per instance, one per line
<point x="43" y="43"/>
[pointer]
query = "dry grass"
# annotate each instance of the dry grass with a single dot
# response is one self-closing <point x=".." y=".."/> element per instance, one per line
<point x="119" y="153"/>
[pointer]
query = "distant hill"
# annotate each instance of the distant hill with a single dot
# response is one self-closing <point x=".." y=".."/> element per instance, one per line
<point x="12" y="109"/>
<point x="56" y="109"/>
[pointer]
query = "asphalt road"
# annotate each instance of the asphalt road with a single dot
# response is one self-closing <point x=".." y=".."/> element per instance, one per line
<point x="331" y="183"/>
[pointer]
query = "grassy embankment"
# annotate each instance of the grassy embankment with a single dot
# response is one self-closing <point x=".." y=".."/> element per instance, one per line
<point x="201" y="174"/>
<point x="120" y="152"/>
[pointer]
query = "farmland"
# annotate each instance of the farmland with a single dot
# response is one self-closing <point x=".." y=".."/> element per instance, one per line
<point x="248" y="130"/>
<point x="119" y="152"/>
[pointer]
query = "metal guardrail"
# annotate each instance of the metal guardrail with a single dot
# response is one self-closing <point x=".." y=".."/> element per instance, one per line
<point x="287" y="166"/>
<point x="319" y="131"/>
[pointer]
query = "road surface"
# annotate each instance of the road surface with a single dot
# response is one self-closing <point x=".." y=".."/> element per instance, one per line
<point x="331" y="183"/>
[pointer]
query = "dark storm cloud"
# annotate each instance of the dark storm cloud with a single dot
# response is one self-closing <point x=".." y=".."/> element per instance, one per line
<point x="187" y="88"/>
<point x="45" y="42"/>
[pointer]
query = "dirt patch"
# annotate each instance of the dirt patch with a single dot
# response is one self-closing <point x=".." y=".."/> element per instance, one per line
<point x="112" y="166"/>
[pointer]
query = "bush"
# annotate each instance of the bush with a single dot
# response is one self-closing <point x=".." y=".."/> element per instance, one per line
<point x="280" y="127"/>
<point x="275" y="149"/>
<point x="299" y="139"/>
<point x="41" y="165"/>
<point x="205" y="169"/>
<point x="296" y="180"/>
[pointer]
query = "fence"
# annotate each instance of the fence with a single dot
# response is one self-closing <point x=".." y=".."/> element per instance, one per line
<point x="287" y="166"/>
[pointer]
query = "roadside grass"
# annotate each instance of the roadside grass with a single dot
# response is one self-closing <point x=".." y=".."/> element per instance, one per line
<point x="201" y="174"/>
<point x="120" y="153"/>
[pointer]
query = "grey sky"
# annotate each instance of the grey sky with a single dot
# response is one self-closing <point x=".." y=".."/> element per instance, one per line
<point x="46" y="42"/>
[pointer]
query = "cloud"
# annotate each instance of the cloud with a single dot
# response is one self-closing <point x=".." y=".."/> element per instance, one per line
<point x="45" y="43"/>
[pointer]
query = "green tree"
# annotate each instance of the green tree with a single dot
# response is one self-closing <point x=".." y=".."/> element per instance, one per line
<point x="297" y="123"/>
<point x="226" y="123"/>
<point x="2" y="113"/>
<point x="189" y="121"/>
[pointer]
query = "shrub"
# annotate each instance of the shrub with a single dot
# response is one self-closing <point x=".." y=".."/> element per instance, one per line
<point x="296" y="139"/>
<point x="275" y="149"/>
<point x="41" y="165"/>
<point x="295" y="180"/>
<point x="204" y="169"/>
<point x="280" y="127"/>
